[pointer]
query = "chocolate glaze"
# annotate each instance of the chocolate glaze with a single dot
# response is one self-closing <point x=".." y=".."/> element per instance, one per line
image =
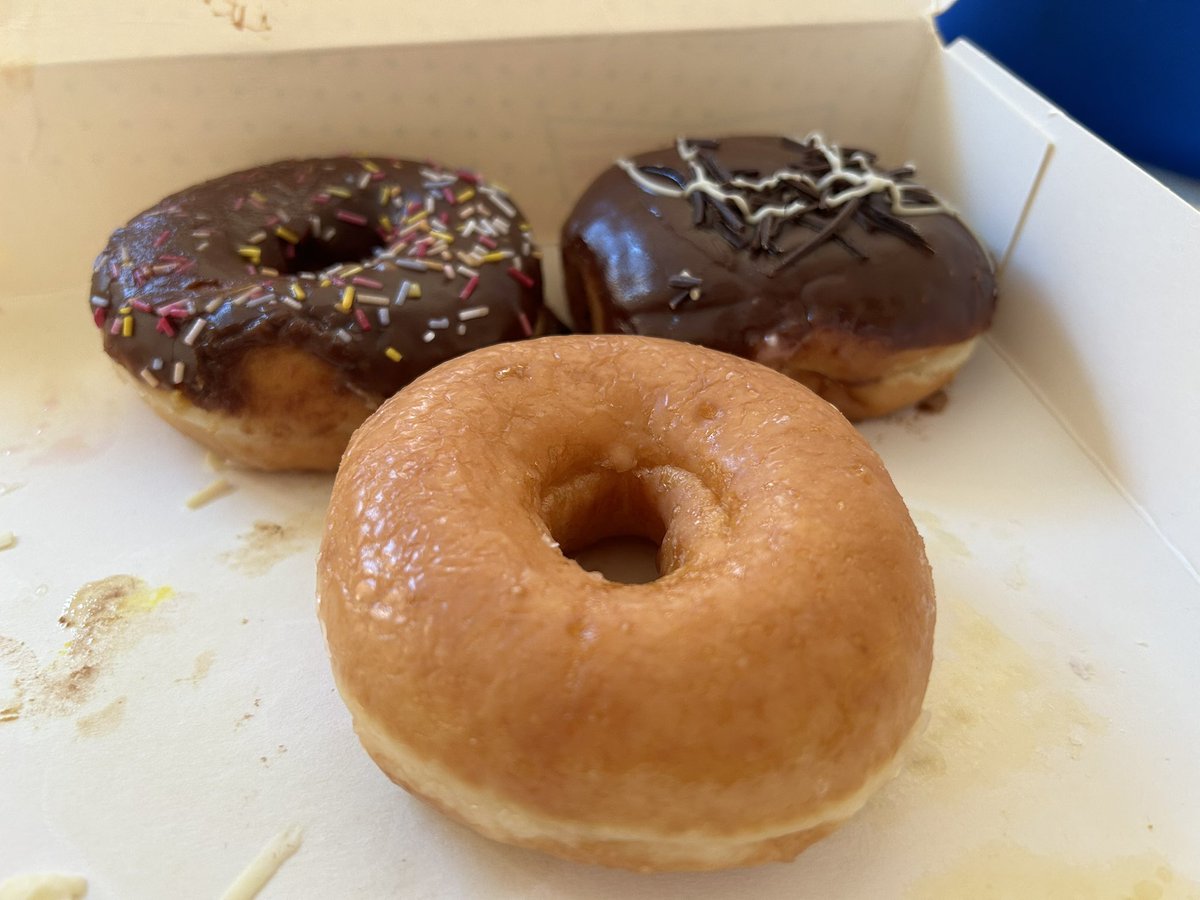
<point x="902" y="281"/>
<point x="245" y="255"/>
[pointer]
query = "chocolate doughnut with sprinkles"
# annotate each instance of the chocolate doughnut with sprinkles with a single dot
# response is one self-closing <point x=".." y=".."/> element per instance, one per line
<point x="268" y="312"/>
<point x="807" y="257"/>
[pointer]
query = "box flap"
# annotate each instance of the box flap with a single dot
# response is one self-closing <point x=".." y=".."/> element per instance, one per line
<point x="41" y="33"/>
<point x="1099" y="312"/>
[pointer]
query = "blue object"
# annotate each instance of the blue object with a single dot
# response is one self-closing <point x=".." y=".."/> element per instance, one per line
<point x="1129" y="71"/>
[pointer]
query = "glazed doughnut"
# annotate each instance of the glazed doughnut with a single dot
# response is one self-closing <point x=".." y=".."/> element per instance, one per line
<point x="803" y="256"/>
<point x="733" y="711"/>
<point x="267" y="313"/>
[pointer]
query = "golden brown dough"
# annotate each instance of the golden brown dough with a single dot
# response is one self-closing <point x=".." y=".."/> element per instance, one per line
<point x="735" y="710"/>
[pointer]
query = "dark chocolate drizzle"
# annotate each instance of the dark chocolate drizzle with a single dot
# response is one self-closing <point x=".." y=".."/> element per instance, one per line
<point x="902" y="280"/>
<point x="342" y="258"/>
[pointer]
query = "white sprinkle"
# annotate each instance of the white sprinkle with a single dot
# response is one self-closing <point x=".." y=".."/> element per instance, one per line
<point x="307" y="276"/>
<point x="449" y="271"/>
<point x="269" y="272"/>
<point x="414" y="265"/>
<point x="156" y="364"/>
<point x="364" y="180"/>
<point x="202" y="233"/>
<point x="197" y="327"/>
<point x="469" y="229"/>
<point x="282" y="216"/>
<point x="264" y="866"/>
<point x="372" y="299"/>
<point x="343" y="335"/>
<point x="7" y="540"/>
<point x="461" y="329"/>
<point x="467" y="272"/>
<point x="694" y="293"/>
<point x="213" y="305"/>
<point x="315" y="222"/>
<point x="518" y="264"/>
<point x="474" y="312"/>
<point x="202" y="246"/>
<point x="385" y="317"/>
<point x="257" y="238"/>
<point x="291" y="301"/>
<point x="149" y="377"/>
<point x="329" y="233"/>
<point x="428" y="336"/>
<point x="484" y="226"/>
<point x="500" y="225"/>
<point x="466" y="211"/>
<point x="498" y="199"/>
<point x="483" y="210"/>
<point x="439" y="323"/>
<point x="100" y="301"/>
<point x="429" y="205"/>
<point x="218" y="488"/>
<point x="402" y="294"/>
<point x="177" y="373"/>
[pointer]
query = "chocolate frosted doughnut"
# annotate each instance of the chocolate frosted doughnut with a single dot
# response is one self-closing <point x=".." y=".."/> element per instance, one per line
<point x="268" y="312"/>
<point x="801" y="255"/>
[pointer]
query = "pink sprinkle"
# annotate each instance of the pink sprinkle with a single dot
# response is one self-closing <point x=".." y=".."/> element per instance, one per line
<point x="377" y="176"/>
<point x="250" y="270"/>
<point x="352" y="217"/>
<point x="321" y="198"/>
<point x="138" y="277"/>
<point x="99" y="316"/>
<point x="338" y="282"/>
<point x="163" y="326"/>
<point x="177" y="312"/>
<point x="488" y="242"/>
<point x="114" y="270"/>
<point x="141" y="306"/>
<point x="520" y="277"/>
<point x="525" y="326"/>
<point x="116" y="327"/>
<point x="162" y="238"/>
<point x="239" y="203"/>
<point x="272" y="221"/>
<point x="171" y="257"/>
<point x="367" y="282"/>
<point x="449" y="195"/>
<point x="361" y="318"/>
<point x="470" y="288"/>
<point x="469" y="177"/>
<point x="422" y="249"/>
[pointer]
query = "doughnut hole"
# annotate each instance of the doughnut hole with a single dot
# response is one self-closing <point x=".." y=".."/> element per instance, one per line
<point x="631" y="523"/>
<point x="312" y="253"/>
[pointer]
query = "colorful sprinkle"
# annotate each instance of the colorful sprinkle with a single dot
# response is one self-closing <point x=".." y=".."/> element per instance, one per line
<point x="474" y="312"/>
<point x="347" y="299"/>
<point x="363" y="281"/>
<point x="177" y="373"/>
<point x="127" y="326"/>
<point x="162" y="238"/>
<point x="393" y="354"/>
<point x="520" y="277"/>
<point x="194" y="331"/>
<point x="287" y="234"/>
<point x="149" y="377"/>
<point x="163" y="326"/>
<point x="254" y="254"/>
<point x="467" y="291"/>
<point x="361" y="318"/>
<point x="526" y="328"/>
<point x="345" y="215"/>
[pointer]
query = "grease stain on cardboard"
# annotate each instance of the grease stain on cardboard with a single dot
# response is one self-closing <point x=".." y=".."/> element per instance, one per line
<point x="1001" y="871"/>
<point x="101" y="616"/>
<point x="268" y="543"/>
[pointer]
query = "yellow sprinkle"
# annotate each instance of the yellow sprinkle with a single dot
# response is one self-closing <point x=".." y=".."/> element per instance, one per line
<point x="385" y="194"/>
<point x="415" y="293"/>
<point x="254" y="254"/>
<point x="368" y="165"/>
<point x="338" y="192"/>
<point x="441" y="235"/>
<point x="125" y="310"/>
<point x="417" y="217"/>
<point x="325" y="282"/>
<point x="536" y="254"/>
<point x="347" y="298"/>
<point x="524" y="226"/>
<point x="298" y="292"/>
<point x="8" y="539"/>
<point x="465" y="195"/>
<point x="218" y="488"/>
<point x="386" y="222"/>
<point x="127" y="326"/>
<point x="393" y="354"/>
<point x="493" y="257"/>
<point x="433" y="265"/>
<point x="215" y="463"/>
<point x="287" y="234"/>
<point x="255" y="195"/>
